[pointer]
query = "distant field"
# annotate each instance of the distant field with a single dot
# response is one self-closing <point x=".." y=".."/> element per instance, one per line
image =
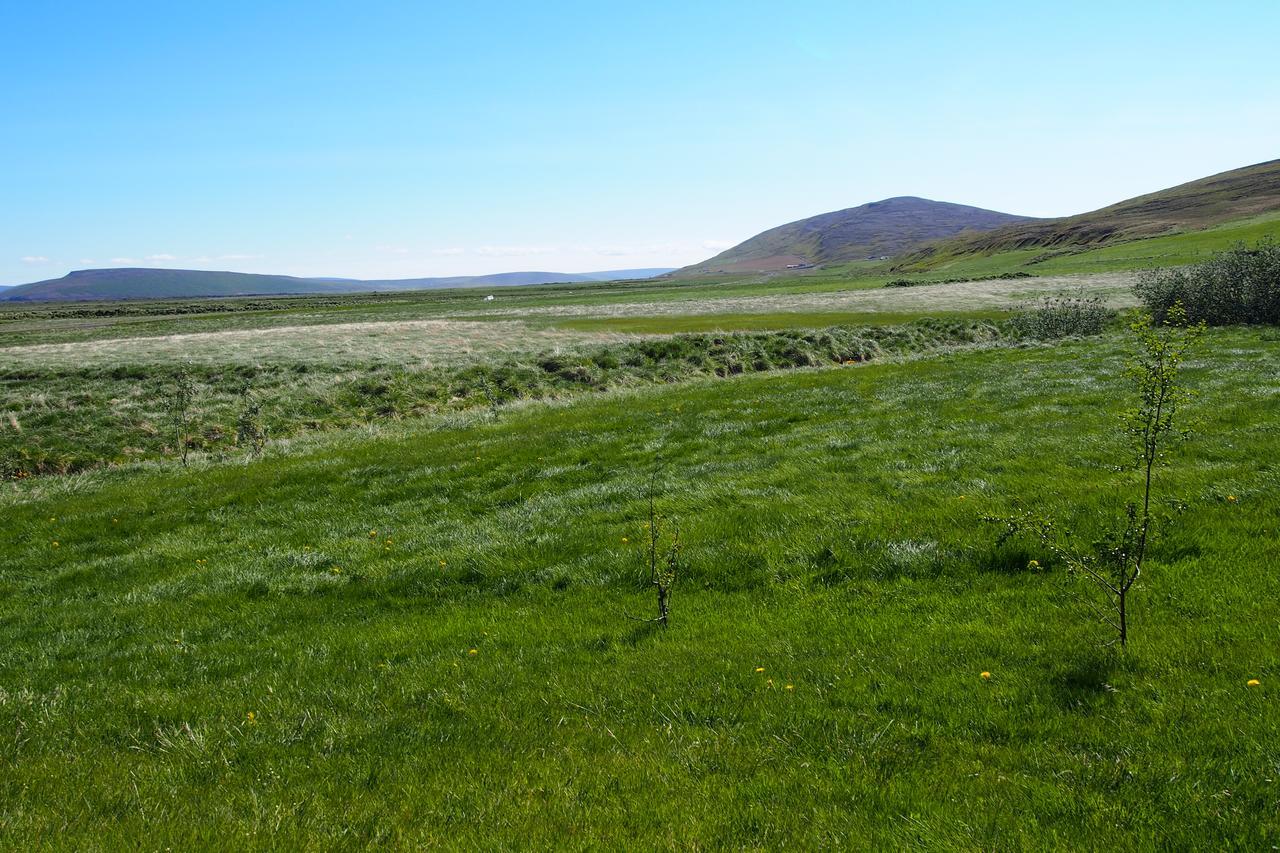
<point x="70" y="322"/>
<point x="90" y="385"/>
<point x="266" y="327"/>
<point x="804" y="294"/>
<point x="412" y="343"/>
<point x="983" y="296"/>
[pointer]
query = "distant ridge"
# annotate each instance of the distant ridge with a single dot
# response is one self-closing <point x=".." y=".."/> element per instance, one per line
<point x="881" y="229"/>
<point x="146" y="283"/>
<point x="1225" y="197"/>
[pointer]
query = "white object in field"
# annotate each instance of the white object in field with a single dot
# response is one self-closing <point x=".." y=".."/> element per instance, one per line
<point x="489" y="298"/>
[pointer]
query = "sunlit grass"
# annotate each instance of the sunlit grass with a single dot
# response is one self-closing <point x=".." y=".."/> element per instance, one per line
<point x="421" y="639"/>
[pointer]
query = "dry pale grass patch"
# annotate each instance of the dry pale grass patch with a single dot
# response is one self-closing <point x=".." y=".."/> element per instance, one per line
<point x="418" y="343"/>
<point x="1114" y="288"/>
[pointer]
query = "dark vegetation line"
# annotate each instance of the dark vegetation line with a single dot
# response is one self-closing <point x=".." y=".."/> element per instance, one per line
<point x="917" y="282"/>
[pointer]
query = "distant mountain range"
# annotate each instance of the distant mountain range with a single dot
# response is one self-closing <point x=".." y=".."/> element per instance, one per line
<point x="907" y="233"/>
<point x="142" y="283"/>
<point x="879" y="230"/>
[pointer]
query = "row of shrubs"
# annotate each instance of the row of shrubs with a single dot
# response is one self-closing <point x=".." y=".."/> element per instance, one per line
<point x="1239" y="286"/>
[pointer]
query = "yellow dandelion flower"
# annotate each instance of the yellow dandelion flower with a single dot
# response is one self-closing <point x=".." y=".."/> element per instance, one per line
<point x="251" y="718"/>
<point x="55" y="544"/>
<point x="373" y="533"/>
<point x="443" y="564"/>
<point x="759" y="669"/>
<point x="1253" y="682"/>
<point x="1033" y="564"/>
<point x="1231" y="499"/>
<point x="986" y="676"/>
<point x="625" y="540"/>
<point x="791" y="687"/>
<point x="473" y="652"/>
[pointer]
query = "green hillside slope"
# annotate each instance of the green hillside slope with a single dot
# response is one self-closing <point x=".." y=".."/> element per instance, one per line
<point x="1229" y="197"/>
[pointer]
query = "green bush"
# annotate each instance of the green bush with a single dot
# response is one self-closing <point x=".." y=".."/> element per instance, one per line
<point x="1062" y="316"/>
<point x="1238" y="286"/>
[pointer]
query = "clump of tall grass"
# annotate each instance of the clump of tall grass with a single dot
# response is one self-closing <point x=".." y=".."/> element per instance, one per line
<point x="1062" y="316"/>
<point x="1238" y="286"/>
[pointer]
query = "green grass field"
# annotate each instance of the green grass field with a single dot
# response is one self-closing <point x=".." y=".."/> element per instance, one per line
<point x="422" y="636"/>
<point x="414" y="619"/>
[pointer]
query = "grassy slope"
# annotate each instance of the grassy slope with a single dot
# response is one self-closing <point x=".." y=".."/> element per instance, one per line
<point x="1239" y="194"/>
<point x="830" y="522"/>
<point x="1171" y="250"/>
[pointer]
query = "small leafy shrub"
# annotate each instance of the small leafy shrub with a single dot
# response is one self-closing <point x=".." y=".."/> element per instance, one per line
<point x="181" y="397"/>
<point x="250" y="430"/>
<point x="662" y="556"/>
<point x="1062" y="316"/>
<point x="1115" y="562"/>
<point x="1240" y="285"/>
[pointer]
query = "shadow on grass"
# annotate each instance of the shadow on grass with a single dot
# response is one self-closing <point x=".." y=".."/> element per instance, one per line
<point x="1084" y="682"/>
<point x="641" y="631"/>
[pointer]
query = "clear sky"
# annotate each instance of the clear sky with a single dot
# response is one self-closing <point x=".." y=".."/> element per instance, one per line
<point x="397" y="139"/>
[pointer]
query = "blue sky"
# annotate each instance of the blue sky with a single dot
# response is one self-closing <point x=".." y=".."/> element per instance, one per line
<point x="380" y="139"/>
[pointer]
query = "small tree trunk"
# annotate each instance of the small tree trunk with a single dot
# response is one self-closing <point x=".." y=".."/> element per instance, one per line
<point x="1124" y="621"/>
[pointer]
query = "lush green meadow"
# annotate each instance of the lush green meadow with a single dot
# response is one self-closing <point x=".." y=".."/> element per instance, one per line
<point x="421" y="634"/>
<point x="416" y="618"/>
